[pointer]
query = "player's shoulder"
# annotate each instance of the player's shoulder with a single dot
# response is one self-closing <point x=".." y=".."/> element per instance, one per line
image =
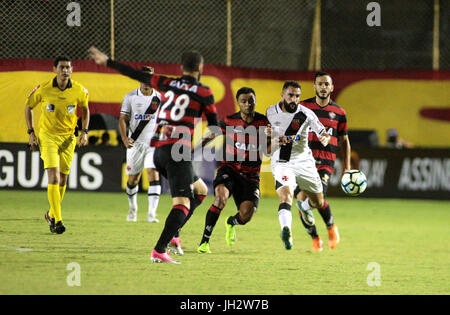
<point x="233" y="116"/>
<point x="309" y="102"/>
<point x="271" y="110"/>
<point x="260" y="117"/>
<point x="41" y="87"/>
<point x="305" y="110"/>
<point x="336" y="108"/>
<point x="132" y="93"/>
<point x="78" y="87"/>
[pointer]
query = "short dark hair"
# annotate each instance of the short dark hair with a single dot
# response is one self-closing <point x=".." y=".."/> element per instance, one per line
<point x="147" y="69"/>
<point x="191" y="60"/>
<point x="294" y="84"/>
<point x="244" y="90"/>
<point x="61" y="58"/>
<point x="321" y="74"/>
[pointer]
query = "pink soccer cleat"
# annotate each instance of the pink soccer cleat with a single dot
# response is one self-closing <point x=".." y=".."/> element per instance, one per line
<point x="162" y="258"/>
<point x="175" y="246"/>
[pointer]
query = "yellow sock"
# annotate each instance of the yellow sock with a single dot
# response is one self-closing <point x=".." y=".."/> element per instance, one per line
<point x="62" y="190"/>
<point x="55" y="201"/>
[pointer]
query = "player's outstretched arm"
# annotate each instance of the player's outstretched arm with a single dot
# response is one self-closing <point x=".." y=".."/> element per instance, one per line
<point x="102" y="59"/>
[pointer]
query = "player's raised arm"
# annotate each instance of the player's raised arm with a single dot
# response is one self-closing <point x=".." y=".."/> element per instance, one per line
<point x="102" y="59"/>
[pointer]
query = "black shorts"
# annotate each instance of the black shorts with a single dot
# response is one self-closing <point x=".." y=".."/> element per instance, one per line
<point x="179" y="174"/>
<point x="324" y="177"/>
<point x="239" y="186"/>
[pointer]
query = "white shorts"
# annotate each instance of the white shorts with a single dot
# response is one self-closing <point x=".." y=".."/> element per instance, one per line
<point x="140" y="156"/>
<point x="304" y="174"/>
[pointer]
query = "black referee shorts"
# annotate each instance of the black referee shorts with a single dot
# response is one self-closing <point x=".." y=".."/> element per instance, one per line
<point x="239" y="186"/>
<point x="179" y="174"/>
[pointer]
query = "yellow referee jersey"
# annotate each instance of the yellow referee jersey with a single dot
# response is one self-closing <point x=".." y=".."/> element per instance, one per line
<point x="59" y="108"/>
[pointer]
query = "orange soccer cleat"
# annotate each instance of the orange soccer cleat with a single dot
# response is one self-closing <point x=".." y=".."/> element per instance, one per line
<point x="317" y="244"/>
<point x="333" y="237"/>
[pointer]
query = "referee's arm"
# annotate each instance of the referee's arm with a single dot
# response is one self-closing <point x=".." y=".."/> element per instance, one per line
<point x="34" y="141"/>
<point x="85" y="116"/>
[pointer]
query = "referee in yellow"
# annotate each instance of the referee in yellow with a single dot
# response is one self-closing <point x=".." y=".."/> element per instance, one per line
<point x="59" y="99"/>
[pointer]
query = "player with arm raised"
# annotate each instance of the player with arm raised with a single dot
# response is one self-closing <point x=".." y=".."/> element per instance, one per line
<point x="183" y="99"/>
<point x="138" y="108"/>
<point x="334" y="118"/>
<point x="292" y="163"/>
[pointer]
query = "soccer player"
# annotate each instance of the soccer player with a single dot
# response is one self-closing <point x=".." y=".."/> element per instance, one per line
<point x="183" y="100"/>
<point x="59" y="99"/>
<point x="333" y="117"/>
<point x="293" y="162"/>
<point x="238" y="173"/>
<point x="138" y="108"/>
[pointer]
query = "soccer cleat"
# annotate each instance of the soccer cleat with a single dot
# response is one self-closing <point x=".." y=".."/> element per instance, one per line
<point x="152" y="219"/>
<point x="307" y="216"/>
<point x="51" y="222"/>
<point x="204" y="248"/>
<point x="175" y="246"/>
<point x="162" y="258"/>
<point x="333" y="237"/>
<point x="132" y="215"/>
<point x="286" y="237"/>
<point x="59" y="227"/>
<point x="317" y="244"/>
<point x="230" y="234"/>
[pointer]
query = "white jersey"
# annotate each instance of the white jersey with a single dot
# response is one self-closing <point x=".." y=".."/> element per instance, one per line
<point x="296" y="127"/>
<point x="136" y="105"/>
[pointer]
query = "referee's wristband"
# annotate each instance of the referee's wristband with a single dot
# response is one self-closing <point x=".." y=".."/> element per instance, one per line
<point x="86" y="131"/>
<point x="30" y="131"/>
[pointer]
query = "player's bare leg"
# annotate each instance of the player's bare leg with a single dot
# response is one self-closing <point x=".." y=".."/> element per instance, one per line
<point x="318" y="201"/>
<point x="132" y="190"/>
<point x="307" y="219"/>
<point x="285" y="196"/>
<point x="246" y="210"/>
<point x="154" y="192"/>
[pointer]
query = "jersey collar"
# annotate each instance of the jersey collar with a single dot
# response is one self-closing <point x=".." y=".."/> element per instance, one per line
<point x="68" y="86"/>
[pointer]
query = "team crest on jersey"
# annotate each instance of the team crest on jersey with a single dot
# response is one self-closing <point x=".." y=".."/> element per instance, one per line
<point x="70" y="109"/>
<point x="285" y="178"/>
<point x="332" y="115"/>
<point x="50" y="108"/>
<point x="295" y="124"/>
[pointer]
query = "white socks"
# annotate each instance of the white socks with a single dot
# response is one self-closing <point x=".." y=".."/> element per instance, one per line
<point x="132" y="197"/>
<point x="153" y="199"/>
<point x="285" y="217"/>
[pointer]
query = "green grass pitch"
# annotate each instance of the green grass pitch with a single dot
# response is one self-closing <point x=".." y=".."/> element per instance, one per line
<point x="408" y="239"/>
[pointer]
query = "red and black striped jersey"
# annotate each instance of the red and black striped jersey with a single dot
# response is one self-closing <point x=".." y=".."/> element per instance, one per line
<point x="244" y="144"/>
<point x="183" y="100"/>
<point x="333" y="117"/>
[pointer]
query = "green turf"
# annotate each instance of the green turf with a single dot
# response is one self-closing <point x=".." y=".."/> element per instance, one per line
<point x="409" y="239"/>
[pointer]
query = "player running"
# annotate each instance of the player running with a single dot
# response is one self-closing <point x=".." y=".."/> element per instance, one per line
<point x="293" y="162"/>
<point x="238" y="173"/>
<point x="138" y="108"/>
<point x="183" y="100"/>
<point x="333" y="117"/>
<point x="59" y="99"/>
